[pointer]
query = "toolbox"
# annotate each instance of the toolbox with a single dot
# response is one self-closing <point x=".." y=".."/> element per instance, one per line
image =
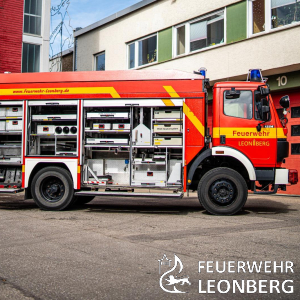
<point x="107" y="115"/>
<point x="13" y="125"/>
<point x="53" y="117"/>
<point x="14" y="111"/>
<point x="103" y="126"/>
<point x="49" y="129"/>
<point x="121" y="126"/>
<point x="167" y="128"/>
<point x="167" y="114"/>
<point x="107" y="141"/>
<point x="168" y="141"/>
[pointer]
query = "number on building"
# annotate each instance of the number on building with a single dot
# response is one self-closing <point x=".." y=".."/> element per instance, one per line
<point x="282" y="80"/>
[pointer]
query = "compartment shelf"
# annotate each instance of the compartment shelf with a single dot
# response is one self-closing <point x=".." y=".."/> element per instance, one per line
<point x="167" y="120"/>
<point x="107" y="131"/>
<point x="106" y="145"/>
<point x="11" y="132"/>
<point x="10" y="118"/>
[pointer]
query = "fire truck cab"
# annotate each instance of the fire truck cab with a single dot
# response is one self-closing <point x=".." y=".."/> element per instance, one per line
<point x="68" y="137"/>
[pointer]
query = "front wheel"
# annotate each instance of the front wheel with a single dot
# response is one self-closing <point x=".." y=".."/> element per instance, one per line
<point x="52" y="188"/>
<point x="222" y="191"/>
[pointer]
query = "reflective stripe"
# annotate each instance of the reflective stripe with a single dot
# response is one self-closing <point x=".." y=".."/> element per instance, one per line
<point x="168" y="102"/>
<point x="248" y="133"/>
<point x="171" y="92"/>
<point x="60" y="91"/>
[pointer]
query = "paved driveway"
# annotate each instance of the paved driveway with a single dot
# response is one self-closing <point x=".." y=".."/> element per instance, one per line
<point x="109" y="249"/>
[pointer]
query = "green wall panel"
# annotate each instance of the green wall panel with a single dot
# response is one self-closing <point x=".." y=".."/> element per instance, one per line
<point x="236" y="22"/>
<point x="165" y="45"/>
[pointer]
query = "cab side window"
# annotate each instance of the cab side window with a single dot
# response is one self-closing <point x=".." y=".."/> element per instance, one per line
<point x="240" y="105"/>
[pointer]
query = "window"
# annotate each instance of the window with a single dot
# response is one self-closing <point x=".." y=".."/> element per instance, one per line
<point x="269" y="14"/>
<point x="295" y="112"/>
<point x="295" y="149"/>
<point x="142" y="52"/>
<point x="30" y="58"/>
<point x="240" y="107"/>
<point x="180" y="40"/>
<point x="201" y="33"/>
<point x="285" y="12"/>
<point x="100" y="62"/>
<point x="32" y="16"/>
<point x="258" y="24"/>
<point x="295" y="130"/>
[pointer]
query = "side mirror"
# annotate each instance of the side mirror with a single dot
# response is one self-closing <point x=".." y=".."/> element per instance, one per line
<point x="232" y="94"/>
<point x="264" y="91"/>
<point x="265" y="109"/>
<point x="285" y="102"/>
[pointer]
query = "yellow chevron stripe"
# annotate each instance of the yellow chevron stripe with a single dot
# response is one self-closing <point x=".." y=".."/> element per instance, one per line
<point x="168" y="102"/>
<point x="60" y="91"/>
<point x="190" y="115"/>
<point x="171" y="91"/>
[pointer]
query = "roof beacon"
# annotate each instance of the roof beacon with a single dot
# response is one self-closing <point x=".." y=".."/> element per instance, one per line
<point x="203" y="71"/>
<point x="256" y="75"/>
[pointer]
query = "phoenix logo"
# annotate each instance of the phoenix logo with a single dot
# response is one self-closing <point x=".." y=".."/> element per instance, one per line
<point x="172" y="280"/>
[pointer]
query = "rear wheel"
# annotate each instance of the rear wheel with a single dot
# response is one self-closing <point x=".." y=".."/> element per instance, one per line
<point x="222" y="191"/>
<point x="52" y="188"/>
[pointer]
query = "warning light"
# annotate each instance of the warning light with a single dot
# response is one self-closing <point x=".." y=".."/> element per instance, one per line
<point x="202" y="72"/>
<point x="255" y="75"/>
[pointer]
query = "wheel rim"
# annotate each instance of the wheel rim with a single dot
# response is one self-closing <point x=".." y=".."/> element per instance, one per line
<point x="52" y="189"/>
<point x="222" y="192"/>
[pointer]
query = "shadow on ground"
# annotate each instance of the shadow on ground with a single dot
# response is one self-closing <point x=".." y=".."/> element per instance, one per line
<point x="149" y="206"/>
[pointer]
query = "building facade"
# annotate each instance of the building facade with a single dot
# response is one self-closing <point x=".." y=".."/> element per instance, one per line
<point x="24" y="35"/>
<point x="62" y="62"/>
<point x="228" y="37"/>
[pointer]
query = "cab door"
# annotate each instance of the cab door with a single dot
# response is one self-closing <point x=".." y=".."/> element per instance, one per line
<point x="241" y="126"/>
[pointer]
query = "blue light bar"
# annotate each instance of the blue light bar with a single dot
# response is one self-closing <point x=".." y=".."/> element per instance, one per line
<point x="202" y="72"/>
<point x="255" y="75"/>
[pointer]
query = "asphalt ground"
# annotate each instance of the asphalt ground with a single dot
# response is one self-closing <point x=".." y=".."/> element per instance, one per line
<point x="110" y="248"/>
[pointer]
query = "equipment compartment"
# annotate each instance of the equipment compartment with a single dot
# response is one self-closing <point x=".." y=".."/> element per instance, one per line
<point x="53" y="129"/>
<point x="121" y="126"/>
<point x="107" y="141"/>
<point x="14" y="125"/>
<point x="167" y="114"/>
<point x="52" y="117"/>
<point x="103" y="126"/>
<point x="14" y="112"/>
<point x="167" y="128"/>
<point x="168" y="141"/>
<point x="107" y="115"/>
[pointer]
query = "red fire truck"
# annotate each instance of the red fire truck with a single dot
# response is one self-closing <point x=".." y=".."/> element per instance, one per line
<point x="68" y="137"/>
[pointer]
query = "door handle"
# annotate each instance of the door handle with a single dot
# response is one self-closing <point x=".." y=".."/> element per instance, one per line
<point x="222" y="139"/>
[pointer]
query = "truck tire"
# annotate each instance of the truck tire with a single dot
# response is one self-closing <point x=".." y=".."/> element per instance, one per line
<point x="222" y="191"/>
<point x="52" y="188"/>
<point x="80" y="200"/>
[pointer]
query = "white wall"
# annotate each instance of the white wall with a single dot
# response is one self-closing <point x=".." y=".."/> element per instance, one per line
<point x="113" y="37"/>
<point x="279" y="49"/>
<point x="269" y="52"/>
